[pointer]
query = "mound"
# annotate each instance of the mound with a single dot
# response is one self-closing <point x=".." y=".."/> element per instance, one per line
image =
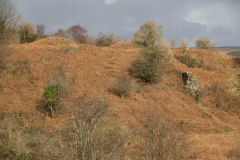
<point x="86" y="70"/>
<point x="55" y="41"/>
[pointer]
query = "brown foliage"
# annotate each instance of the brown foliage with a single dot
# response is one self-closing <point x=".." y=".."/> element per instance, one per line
<point x="79" y="33"/>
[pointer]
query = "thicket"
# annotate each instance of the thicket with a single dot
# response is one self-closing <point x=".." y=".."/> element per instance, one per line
<point x="9" y="19"/>
<point x="205" y="43"/>
<point x="27" y="32"/>
<point x="104" y="40"/>
<point x="189" y="61"/>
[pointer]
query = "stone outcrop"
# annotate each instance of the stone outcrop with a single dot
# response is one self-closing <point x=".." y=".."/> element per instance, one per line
<point x="191" y="85"/>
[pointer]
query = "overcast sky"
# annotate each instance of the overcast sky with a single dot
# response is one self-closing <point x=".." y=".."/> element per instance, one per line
<point x="181" y="19"/>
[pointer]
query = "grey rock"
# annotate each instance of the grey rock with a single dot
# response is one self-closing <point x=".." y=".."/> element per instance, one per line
<point x="191" y="85"/>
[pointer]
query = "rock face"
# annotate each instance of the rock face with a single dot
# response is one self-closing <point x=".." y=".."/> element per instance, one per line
<point x="191" y="84"/>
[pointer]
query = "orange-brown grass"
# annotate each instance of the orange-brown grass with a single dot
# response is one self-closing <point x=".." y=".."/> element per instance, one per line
<point x="92" y="71"/>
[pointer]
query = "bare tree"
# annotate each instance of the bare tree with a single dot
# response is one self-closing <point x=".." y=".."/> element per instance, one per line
<point x="79" y="33"/>
<point x="9" y="19"/>
<point x="41" y="29"/>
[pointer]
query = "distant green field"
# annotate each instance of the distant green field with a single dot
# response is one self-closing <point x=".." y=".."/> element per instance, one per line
<point x="234" y="53"/>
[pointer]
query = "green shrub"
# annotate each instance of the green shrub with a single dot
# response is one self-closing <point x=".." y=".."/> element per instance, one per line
<point x="190" y="61"/>
<point x="27" y="32"/>
<point x="50" y="94"/>
<point x="147" y="66"/>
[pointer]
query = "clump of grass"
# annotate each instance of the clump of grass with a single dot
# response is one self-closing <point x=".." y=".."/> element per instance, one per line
<point x="227" y="129"/>
<point x="68" y="49"/>
<point x="122" y="86"/>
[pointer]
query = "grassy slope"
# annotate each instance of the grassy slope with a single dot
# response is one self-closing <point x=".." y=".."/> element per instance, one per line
<point x="93" y="70"/>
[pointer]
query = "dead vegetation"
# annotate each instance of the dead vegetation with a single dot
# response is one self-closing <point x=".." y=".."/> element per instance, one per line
<point x="114" y="127"/>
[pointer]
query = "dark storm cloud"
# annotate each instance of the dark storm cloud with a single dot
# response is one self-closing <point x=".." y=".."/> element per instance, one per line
<point x="181" y="19"/>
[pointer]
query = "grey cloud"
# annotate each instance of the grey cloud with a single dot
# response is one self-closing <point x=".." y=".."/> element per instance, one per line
<point x="123" y="17"/>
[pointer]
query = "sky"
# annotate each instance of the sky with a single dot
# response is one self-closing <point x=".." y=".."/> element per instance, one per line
<point x="185" y="20"/>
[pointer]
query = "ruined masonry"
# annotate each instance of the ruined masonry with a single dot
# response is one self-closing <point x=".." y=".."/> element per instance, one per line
<point x="191" y="84"/>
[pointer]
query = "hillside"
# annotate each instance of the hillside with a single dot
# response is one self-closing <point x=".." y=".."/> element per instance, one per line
<point x="211" y="128"/>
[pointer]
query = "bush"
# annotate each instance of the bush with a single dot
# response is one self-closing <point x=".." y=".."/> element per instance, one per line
<point x="189" y="61"/>
<point x="50" y="94"/>
<point x="79" y="33"/>
<point x="148" y="34"/>
<point x="147" y="66"/>
<point x="122" y="86"/>
<point x="27" y="32"/>
<point x="205" y="43"/>
<point x="105" y="40"/>
<point x="164" y="143"/>
<point x="95" y="137"/>
<point x="183" y="46"/>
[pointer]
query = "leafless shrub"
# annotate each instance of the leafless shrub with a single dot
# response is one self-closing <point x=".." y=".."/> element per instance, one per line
<point x="122" y="86"/>
<point x="8" y="20"/>
<point x="164" y="143"/>
<point x="79" y="33"/>
<point x="95" y="138"/>
<point x="21" y="141"/>
<point x="41" y="29"/>
<point x="105" y="40"/>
